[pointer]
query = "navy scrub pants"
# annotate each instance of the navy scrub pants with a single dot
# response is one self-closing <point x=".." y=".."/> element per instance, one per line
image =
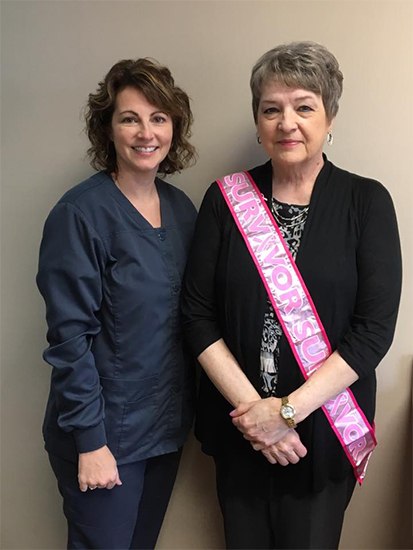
<point x="126" y="517"/>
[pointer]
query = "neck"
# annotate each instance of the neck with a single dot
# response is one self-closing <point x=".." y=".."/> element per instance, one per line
<point x="142" y="193"/>
<point x="294" y="184"/>
<point x="136" y="185"/>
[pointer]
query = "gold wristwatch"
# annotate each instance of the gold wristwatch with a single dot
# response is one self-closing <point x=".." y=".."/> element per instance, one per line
<point x="287" y="412"/>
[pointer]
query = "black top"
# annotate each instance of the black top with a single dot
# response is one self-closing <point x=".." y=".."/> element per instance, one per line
<point x="111" y="283"/>
<point x="349" y="257"/>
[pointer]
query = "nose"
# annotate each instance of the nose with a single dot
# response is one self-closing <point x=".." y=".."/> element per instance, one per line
<point x="145" y="130"/>
<point x="288" y="121"/>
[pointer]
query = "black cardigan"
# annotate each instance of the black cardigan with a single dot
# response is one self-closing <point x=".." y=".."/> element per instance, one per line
<point x="350" y="259"/>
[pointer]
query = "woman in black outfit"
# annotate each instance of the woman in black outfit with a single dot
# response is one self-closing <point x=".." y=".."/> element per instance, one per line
<point x="283" y="477"/>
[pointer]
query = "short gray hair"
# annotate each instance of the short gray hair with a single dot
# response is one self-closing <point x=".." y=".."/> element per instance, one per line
<point x="306" y="65"/>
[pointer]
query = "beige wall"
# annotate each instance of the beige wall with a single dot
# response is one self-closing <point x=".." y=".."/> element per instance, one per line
<point x="53" y="54"/>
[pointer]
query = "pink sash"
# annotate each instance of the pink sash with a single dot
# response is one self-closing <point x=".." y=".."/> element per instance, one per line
<point x="295" y="311"/>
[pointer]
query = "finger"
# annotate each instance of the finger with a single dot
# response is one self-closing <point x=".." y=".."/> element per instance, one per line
<point x="300" y="450"/>
<point x="118" y="480"/>
<point x="282" y="460"/>
<point x="245" y="428"/>
<point x="241" y="409"/>
<point x="294" y="444"/>
<point x="250" y="432"/>
<point x="258" y="446"/>
<point x="241" y="422"/>
<point x="256" y="443"/>
<point x="83" y="487"/>
<point x="269" y="457"/>
<point x="283" y="456"/>
<point x="260" y="443"/>
<point x="252" y="428"/>
<point x="292" y="458"/>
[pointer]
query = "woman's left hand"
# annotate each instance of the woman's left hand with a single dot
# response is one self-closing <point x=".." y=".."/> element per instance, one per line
<point x="260" y="422"/>
<point x="289" y="450"/>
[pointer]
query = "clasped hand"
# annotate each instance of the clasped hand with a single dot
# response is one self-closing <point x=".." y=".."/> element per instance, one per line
<point x="261" y="424"/>
<point x="98" y="470"/>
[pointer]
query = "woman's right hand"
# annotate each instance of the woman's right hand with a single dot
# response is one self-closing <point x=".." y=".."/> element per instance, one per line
<point x="289" y="450"/>
<point x="98" y="470"/>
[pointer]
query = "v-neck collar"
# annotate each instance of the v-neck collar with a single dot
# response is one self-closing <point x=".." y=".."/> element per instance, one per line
<point x="134" y="212"/>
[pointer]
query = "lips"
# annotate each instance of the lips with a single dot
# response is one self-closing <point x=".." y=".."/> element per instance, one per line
<point x="141" y="149"/>
<point x="288" y="142"/>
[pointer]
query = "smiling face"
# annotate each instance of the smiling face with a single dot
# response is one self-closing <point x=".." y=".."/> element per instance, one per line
<point x="292" y="124"/>
<point x="141" y="133"/>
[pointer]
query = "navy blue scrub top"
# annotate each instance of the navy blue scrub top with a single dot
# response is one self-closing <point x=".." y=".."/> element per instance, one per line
<point x="111" y="283"/>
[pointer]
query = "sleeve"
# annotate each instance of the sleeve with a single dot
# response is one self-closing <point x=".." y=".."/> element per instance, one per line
<point x="379" y="285"/>
<point x="69" y="279"/>
<point x="198" y="299"/>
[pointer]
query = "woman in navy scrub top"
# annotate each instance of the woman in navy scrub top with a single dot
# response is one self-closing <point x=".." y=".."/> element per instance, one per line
<point x="112" y="257"/>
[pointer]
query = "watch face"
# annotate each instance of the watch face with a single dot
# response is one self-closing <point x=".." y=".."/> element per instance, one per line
<point x="287" y="411"/>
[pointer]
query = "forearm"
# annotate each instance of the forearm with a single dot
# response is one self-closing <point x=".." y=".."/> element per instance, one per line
<point x="225" y="373"/>
<point x="334" y="376"/>
<point x="261" y="422"/>
<point x="76" y="387"/>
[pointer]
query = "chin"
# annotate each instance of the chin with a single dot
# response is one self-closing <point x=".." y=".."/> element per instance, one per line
<point x="287" y="160"/>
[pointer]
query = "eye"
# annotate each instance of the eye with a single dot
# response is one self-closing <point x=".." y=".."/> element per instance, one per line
<point x="129" y="120"/>
<point x="305" y="109"/>
<point x="160" y="119"/>
<point x="271" y="110"/>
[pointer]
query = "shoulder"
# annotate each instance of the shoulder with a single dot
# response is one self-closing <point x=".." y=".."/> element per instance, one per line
<point x="361" y="186"/>
<point x="366" y="198"/>
<point x="343" y="189"/>
<point x="260" y="174"/>
<point x="84" y="206"/>
<point x="87" y="191"/>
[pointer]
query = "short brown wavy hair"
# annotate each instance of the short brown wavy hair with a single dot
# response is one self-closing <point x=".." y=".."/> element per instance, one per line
<point x="156" y="83"/>
<point x="306" y="65"/>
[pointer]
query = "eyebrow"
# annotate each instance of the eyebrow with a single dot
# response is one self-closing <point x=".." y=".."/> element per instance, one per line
<point x="130" y="111"/>
<point x="298" y="98"/>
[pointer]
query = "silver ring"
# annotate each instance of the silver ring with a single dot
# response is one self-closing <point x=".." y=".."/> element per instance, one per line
<point x="93" y="488"/>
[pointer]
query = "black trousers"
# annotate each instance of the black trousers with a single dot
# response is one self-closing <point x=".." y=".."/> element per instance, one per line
<point x="126" y="517"/>
<point x="283" y="521"/>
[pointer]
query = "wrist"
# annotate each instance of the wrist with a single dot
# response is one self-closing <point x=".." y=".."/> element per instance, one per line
<point x="89" y="453"/>
<point x="90" y="439"/>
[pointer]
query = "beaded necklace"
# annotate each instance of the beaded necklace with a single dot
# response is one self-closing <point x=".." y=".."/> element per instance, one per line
<point x="288" y="221"/>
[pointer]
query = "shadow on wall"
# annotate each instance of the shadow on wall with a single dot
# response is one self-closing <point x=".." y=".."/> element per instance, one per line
<point x="193" y="508"/>
<point x="406" y="509"/>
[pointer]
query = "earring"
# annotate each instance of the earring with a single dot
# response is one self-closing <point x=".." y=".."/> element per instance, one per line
<point x="259" y="140"/>
<point x="330" y="138"/>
